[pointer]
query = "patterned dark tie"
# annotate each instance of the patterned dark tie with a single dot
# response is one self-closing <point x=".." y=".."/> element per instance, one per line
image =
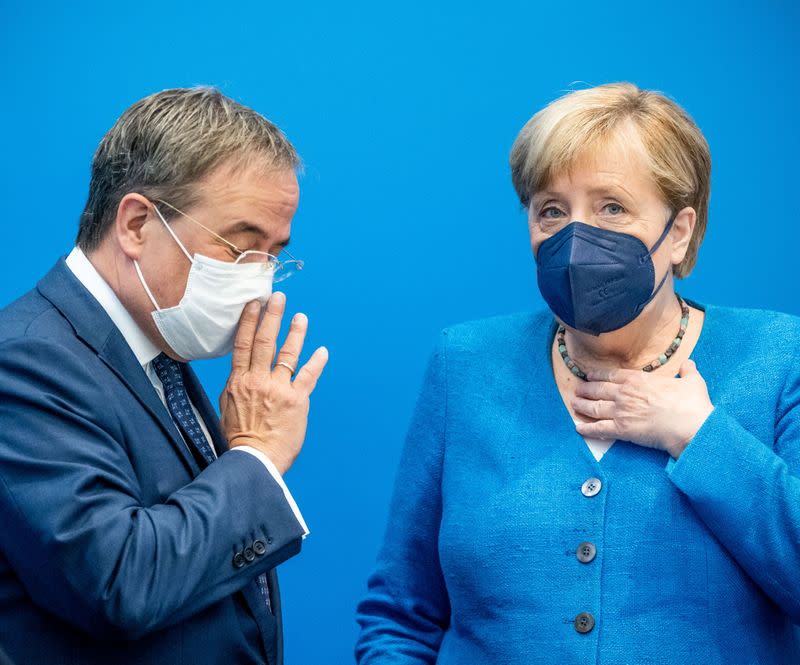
<point x="169" y="373"/>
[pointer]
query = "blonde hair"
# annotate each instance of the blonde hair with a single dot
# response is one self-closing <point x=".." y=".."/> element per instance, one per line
<point x="582" y="121"/>
<point x="166" y="143"/>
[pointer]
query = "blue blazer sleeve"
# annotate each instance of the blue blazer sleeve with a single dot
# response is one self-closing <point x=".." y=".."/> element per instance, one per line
<point x="73" y="525"/>
<point x="748" y="493"/>
<point x="406" y="610"/>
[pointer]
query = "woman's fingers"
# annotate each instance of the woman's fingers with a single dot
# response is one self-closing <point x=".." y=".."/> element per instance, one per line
<point x="596" y="390"/>
<point x="243" y="342"/>
<point x="594" y="408"/>
<point x="264" y="342"/>
<point x="309" y="373"/>
<point x="601" y="429"/>
<point x="292" y="347"/>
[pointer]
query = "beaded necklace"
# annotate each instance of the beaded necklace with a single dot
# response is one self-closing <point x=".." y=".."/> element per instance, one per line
<point x="661" y="360"/>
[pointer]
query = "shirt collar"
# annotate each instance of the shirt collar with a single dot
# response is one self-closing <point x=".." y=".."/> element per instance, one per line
<point x="141" y="345"/>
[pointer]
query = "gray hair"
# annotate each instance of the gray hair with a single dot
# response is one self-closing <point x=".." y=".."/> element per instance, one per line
<point x="165" y="143"/>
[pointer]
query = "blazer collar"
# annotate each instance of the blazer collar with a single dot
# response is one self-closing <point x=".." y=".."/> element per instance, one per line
<point x="97" y="330"/>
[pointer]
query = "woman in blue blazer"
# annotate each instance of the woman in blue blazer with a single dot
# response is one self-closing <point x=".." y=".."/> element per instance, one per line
<point x="557" y="504"/>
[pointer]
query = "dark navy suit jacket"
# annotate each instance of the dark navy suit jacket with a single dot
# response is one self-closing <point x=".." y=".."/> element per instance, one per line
<point x="115" y="547"/>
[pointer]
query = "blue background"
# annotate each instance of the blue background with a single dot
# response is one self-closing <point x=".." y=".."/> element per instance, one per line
<point x="404" y="115"/>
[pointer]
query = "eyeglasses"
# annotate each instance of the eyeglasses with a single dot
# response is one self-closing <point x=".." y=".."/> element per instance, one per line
<point x="280" y="269"/>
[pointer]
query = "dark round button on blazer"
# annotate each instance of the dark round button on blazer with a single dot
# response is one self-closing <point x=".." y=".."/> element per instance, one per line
<point x="584" y="622"/>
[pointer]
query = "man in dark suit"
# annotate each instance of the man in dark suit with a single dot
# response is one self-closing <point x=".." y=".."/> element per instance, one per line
<point x="136" y="526"/>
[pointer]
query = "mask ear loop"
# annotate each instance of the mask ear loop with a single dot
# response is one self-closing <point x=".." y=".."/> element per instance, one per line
<point x="172" y="233"/>
<point x="139" y="270"/>
<point x="650" y="253"/>
<point x="144" y="284"/>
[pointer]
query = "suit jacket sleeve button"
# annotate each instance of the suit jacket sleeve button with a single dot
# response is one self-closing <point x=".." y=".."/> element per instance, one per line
<point x="249" y="554"/>
<point x="238" y="560"/>
<point x="259" y="547"/>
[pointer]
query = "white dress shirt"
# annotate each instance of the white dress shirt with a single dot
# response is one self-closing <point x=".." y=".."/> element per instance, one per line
<point x="145" y="351"/>
<point x="598" y="447"/>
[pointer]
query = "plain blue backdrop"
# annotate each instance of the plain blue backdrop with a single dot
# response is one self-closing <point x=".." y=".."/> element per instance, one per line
<point x="404" y="114"/>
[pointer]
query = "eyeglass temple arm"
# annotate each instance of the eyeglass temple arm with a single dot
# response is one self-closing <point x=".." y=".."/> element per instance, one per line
<point x="202" y="226"/>
<point x="217" y="235"/>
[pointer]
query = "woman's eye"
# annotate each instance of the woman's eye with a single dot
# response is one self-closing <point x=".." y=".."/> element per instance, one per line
<point x="551" y="212"/>
<point x="615" y="209"/>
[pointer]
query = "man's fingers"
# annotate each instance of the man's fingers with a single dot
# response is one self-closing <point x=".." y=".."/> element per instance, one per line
<point x="243" y="342"/>
<point x="309" y="373"/>
<point x="292" y="346"/>
<point x="264" y="342"/>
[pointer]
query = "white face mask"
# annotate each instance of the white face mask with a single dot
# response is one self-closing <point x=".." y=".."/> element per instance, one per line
<point x="203" y="324"/>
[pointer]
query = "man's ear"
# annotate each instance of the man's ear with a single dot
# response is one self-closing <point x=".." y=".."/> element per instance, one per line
<point x="681" y="232"/>
<point x="133" y="212"/>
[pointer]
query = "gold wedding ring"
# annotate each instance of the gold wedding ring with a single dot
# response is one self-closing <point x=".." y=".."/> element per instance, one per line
<point x="287" y="366"/>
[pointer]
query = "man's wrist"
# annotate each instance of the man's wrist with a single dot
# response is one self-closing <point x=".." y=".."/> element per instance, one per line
<point x="279" y="461"/>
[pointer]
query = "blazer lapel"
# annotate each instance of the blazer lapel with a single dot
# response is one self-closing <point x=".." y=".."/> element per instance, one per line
<point x="97" y="330"/>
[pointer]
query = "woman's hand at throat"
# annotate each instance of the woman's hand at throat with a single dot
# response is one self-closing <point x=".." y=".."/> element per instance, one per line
<point x="652" y="410"/>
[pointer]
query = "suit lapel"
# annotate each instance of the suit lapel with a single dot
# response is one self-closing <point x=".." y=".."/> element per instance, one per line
<point x="97" y="330"/>
<point x="118" y="356"/>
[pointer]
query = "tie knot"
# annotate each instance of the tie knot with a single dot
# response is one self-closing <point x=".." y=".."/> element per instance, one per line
<point x="167" y="370"/>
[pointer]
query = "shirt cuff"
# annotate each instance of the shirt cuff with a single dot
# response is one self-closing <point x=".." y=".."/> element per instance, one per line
<point x="273" y="471"/>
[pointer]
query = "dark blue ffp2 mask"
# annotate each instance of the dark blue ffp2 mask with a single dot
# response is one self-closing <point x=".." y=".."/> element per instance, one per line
<point x="596" y="280"/>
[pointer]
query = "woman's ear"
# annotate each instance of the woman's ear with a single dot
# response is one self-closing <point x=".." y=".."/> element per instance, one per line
<point x="133" y="212"/>
<point x="681" y="233"/>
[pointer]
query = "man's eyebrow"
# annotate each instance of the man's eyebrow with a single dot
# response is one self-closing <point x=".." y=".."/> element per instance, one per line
<point x="242" y="226"/>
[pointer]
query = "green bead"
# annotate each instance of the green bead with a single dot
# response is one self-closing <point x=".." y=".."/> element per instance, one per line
<point x="677" y="342"/>
<point x="662" y="358"/>
<point x="685" y="321"/>
<point x="575" y="371"/>
<point x="562" y="348"/>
